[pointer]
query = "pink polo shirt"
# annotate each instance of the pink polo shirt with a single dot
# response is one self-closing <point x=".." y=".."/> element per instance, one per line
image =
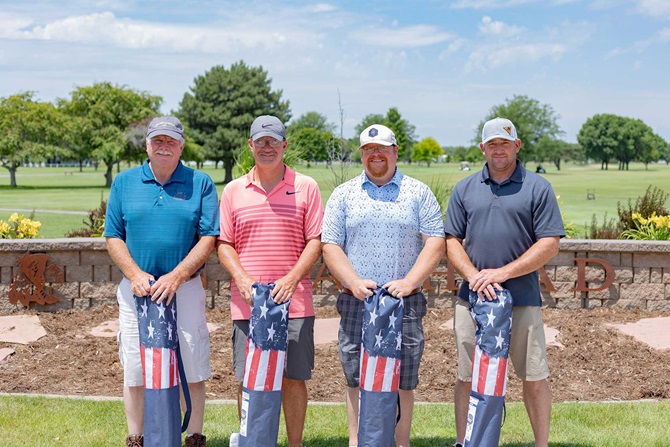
<point x="270" y="232"/>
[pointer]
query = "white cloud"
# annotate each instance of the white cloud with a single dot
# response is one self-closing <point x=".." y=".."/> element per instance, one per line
<point x="489" y="27"/>
<point x="486" y="58"/>
<point x="487" y="4"/>
<point x="106" y="29"/>
<point x="654" y="8"/>
<point x="322" y="7"/>
<point x="401" y="37"/>
<point x="453" y="48"/>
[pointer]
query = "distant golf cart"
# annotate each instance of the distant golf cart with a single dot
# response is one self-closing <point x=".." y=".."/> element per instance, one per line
<point x="465" y="166"/>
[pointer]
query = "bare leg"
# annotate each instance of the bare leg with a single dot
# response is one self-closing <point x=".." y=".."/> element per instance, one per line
<point x="537" y="398"/>
<point x="402" y="430"/>
<point x="239" y="402"/>
<point x="294" y="402"/>
<point x="352" y="414"/>
<point x="133" y="401"/>
<point x="461" y="404"/>
<point x="197" y="392"/>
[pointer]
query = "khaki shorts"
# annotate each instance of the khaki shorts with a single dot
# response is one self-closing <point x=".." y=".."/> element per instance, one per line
<point x="193" y="333"/>
<point x="528" y="348"/>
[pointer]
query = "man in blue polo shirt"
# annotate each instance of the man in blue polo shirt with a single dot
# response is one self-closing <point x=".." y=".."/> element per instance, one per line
<point x="161" y="225"/>
<point x="502" y="225"/>
<point x="382" y="229"/>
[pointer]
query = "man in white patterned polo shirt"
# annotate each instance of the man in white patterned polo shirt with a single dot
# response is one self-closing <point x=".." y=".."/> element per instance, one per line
<point x="382" y="229"/>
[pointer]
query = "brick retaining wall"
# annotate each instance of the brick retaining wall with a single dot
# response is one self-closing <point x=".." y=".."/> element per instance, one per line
<point x="585" y="274"/>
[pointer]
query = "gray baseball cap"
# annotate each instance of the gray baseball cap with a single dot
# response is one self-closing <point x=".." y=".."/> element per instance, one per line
<point x="267" y="126"/>
<point x="166" y="125"/>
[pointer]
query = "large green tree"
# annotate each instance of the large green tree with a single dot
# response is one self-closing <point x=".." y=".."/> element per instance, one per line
<point x="105" y="114"/>
<point x="312" y="120"/>
<point x="312" y="135"/>
<point x="30" y="131"/>
<point x="607" y="136"/>
<point x="556" y="151"/>
<point x="426" y="150"/>
<point x="404" y="131"/>
<point x="532" y="120"/>
<point x="221" y="106"/>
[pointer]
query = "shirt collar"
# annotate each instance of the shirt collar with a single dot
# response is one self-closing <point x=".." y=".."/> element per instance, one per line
<point x="289" y="176"/>
<point x="178" y="176"/>
<point x="517" y="176"/>
<point x="396" y="179"/>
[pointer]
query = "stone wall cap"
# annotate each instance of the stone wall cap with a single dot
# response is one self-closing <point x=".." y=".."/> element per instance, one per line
<point x="620" y="245"/>
<point x="61" y="244"/>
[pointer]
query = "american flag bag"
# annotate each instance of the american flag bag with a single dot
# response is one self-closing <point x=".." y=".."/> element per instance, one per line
<point x="264" y="369"/>
<point x="161" y="369"/>
<point x="493" y="320"/>
<point x="380" y="369"/>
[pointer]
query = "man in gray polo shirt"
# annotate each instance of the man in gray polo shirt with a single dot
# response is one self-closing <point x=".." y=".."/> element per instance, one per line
<point x="502" y="225"/>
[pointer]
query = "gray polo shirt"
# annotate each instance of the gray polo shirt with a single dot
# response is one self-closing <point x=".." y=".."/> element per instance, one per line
<point x="500" y="222"/>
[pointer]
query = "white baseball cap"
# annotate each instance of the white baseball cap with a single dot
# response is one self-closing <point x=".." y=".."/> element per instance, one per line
<point x="378" y="134"/>
<point x="498" y="128"/>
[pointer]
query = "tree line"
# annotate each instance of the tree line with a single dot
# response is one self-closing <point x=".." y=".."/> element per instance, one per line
<point x="106" y="124"/>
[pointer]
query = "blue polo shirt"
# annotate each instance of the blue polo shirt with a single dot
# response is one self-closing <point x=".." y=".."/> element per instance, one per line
<point x="380" y="228"/>
<point x="161" y="223"/>
<point x="498" y="222"/>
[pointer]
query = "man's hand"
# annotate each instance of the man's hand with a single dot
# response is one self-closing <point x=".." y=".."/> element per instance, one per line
<point x="362" y="288"/>
<point x="166" y="286"/>
<point x="244" y="283"/>
<point x="140" y="284"/>
<point x="283" y="290"/>
<point x="399" y="288"/>
<point x="485" y="282"/>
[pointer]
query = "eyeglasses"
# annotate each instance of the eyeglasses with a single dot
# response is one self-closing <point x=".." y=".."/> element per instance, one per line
<point x="272" y="142"/>
<point x="382" y="149"/>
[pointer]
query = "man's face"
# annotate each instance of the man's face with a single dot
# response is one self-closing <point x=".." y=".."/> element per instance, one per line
<point x="379" y="161"/>
<point x="268" y="151"/>
<point x="501" y="154"/>
<point x="164" y="151"/>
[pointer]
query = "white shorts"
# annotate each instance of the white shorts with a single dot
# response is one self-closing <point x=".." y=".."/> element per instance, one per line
<point x="193" y="333"/>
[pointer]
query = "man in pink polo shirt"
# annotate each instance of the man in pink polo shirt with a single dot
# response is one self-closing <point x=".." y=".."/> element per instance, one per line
<point x="271" y="232"/>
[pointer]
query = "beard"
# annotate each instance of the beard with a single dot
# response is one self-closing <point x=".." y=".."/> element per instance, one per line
<point x="377" y="169"/>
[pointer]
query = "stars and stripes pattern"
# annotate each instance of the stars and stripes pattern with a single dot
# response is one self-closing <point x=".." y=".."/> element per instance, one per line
<point x="380" y="369"/>
<point x="159" y="353"/>
<point x="382" y="340"/>
<point x="158" y="343"/>
<point x="494" y="323"/>
<point x="267" y="341"/>
<point x="264" y="369"/>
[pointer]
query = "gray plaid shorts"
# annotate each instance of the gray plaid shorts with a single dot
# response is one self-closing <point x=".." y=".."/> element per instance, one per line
<point x="351" y="328"/>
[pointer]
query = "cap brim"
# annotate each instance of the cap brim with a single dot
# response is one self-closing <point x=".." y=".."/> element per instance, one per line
<point x="267" y="134"/>
<point x="169" y="133"/>
<point x="381" y="142"/>
<point x="504" y="137"/>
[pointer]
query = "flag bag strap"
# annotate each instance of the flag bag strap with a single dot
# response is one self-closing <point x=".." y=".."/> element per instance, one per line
<point x="184" y="387"/>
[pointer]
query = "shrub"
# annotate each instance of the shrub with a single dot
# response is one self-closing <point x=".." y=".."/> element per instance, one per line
<point x="652" y="203"/>
<point x="655" y="228"/>
<point x="94" y="224"/>
<point x="20" y="227"/>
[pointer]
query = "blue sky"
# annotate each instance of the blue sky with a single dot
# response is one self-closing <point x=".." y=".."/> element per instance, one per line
<point x="443" y="64"/>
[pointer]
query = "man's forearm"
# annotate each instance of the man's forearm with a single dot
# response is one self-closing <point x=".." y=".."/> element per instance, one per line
<point x="534" y="258"/>
<point x="307" y="259"/>
<point x="428" y="259"/>
<point x="338" y="264"/>
<point x="118" y="251"/>
<point x="196" y="257"/>
<point x="459" y="259"/>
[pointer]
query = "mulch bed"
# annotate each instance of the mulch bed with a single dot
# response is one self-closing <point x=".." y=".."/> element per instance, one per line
<point x="596" y="363"/>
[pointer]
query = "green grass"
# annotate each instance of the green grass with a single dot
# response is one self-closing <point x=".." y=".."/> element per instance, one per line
<point x="53" y="189"/>
<point x="45" y="422"/>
